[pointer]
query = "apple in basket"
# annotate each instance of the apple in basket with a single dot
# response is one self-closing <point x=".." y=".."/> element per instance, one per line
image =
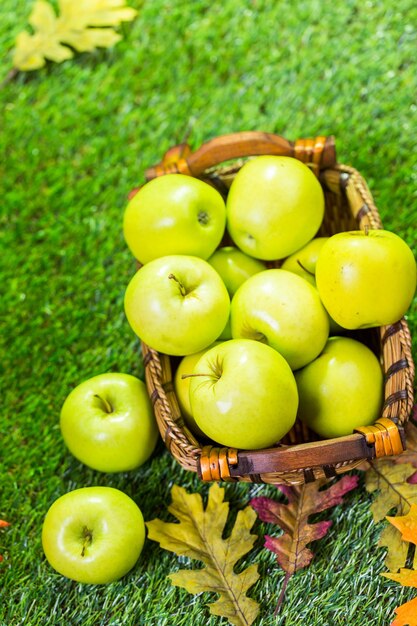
<point x="243" y="394"/>
<point x="177" y="304"/>
<point x="234" y="268"/>
<point x="107" y="422"/>
<point x="93" y="534"/>
<point x="283" y="310"/>
<point x="340" y="390"/>
<point x="274" y="207"/>
<point x="366" y="278"/>
<point x="174" y="214"/>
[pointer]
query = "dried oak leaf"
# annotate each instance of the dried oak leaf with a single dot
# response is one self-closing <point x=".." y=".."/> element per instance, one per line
<point x="291" y="547"/>
<point x="407" y="525"/>
<point x="83" y="25"/>
<point x="199" y="536"/>
<point x="389" y="479"/>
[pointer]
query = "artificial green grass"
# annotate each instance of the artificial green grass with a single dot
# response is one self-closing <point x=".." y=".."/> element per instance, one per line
<point x="76" y="138"/>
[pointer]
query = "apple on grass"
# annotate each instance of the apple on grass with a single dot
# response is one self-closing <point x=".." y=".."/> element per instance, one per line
<point x="174" y="214"/>
<point x="340" y="390"/>
<point x="274" y="207"/>
<point x="107" y="422"/>
<point x="366" y="278"/>
<point x="93" y="534"/>
<point x="233" y="267"/>
<point x="177" y="304"/>
<point x="284" y="311"/>
<point x="243" y="394"/>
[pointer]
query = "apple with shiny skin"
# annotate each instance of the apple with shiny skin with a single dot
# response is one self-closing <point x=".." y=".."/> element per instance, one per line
<point x="177" y="304"/>
<point x="283" y="310"/>
<point x="234" y="267"/>
<point x="366" y="278"/>
<point x="182" y="387"/>
<point x="243" y="394"/>
<point x="303" y="262"/>
<point x="340" y="390"/>
<point x="93" y="534"/>
<point x="107" y="422"/>
<point x="274" y="207"/>
<point x="174" y="214"/>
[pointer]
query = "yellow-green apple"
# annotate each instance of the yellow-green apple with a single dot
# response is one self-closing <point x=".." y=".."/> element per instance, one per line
<point x="182" y="387"/>
<point x="93" y="534"/>
<point x="274" y="207"/>
<point x="303" y="262"/>
<point x="340" y="390"/>
<point x="174" y="214"/>
<point x="234" y="267"/>
<point x="366" y="278"/>
<point x="107" y="422"/>
<point x="177" y="304"/>
<point x="243" y="394"/>
<point x="283" y="310"/>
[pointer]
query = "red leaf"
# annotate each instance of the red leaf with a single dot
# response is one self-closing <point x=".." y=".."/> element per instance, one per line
<point x="292" y="517"/>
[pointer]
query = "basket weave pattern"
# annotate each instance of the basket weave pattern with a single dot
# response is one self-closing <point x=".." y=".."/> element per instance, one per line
<point x="300" y="456"/>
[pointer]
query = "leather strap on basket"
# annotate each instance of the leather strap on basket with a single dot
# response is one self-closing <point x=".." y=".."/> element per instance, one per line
<point x="318" y="153"/>
<point x="384" y="435"/>
<point x="215" y="463"/>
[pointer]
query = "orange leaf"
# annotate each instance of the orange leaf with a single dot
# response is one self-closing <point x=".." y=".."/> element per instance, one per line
<point x="406" y="577"/>
<point x="407" y="524"/>
<point x="407" y="614"/>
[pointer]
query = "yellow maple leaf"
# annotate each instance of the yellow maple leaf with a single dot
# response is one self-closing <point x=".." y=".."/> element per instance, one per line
<point x="84" y="25"/>
<point x="199" y="535"/>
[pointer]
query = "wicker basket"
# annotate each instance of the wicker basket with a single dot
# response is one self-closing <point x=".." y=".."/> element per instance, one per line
<point x="301" y="456"/>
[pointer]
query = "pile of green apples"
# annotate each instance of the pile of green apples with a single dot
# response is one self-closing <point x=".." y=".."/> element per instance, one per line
<point x="261" y="345"/>
<point x="251" y="341"/>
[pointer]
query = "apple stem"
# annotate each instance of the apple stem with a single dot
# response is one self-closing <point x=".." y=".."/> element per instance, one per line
<point x="88" y="538"/>
<point x="181" y="286"/>
<point x="193" y="375"/>
<point x="304" y="268"/>
<point x="106" y="404"/>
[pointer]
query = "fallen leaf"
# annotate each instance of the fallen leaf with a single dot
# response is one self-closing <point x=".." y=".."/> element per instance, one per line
<point x="199" y="535"/>
<point x="3" y="524"/>
<point x="407" y="527"/>
<point x="290" y="548"/>
<point x="407" y="614"/>
<point x="84" y="25"/>
<point x="389" y="480"/>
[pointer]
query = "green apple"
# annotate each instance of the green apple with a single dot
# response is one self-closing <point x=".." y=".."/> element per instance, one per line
<point x="366" y="279"/>
<point x="177" y="304"/>
<point x="93" y="534"/>
<point x="174" y="214"/>
<point x="303" y="262"/>
<point x="243" y="394"/>
<point x="182" y="387"/>
<point x="340" y="390"/>
<point x="234" y="267"/>
<point x="107" y="422"/>
<point x="283" y="310"/>
<point x="274" y="207"/>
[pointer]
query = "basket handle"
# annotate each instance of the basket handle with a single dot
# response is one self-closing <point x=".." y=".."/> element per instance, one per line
<point x="319" y="152"/>
<point x="384" y="438"/>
